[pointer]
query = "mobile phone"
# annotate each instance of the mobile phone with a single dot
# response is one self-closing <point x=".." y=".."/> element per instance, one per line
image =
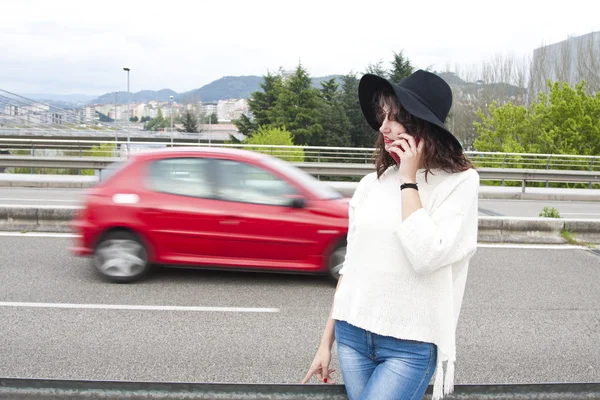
<point x="396" y="157"/>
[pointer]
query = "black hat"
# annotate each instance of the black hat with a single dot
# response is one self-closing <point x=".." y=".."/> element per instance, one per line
<point x="423" y="94"/>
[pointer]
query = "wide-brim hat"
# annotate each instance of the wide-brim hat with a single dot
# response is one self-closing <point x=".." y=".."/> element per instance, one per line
<point x="423" y="94"/>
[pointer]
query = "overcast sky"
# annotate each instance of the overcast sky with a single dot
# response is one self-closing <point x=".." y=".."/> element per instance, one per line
<point x="68" y="47"/>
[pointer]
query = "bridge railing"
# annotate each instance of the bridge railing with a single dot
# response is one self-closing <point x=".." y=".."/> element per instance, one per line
<point x="352" y="155"/>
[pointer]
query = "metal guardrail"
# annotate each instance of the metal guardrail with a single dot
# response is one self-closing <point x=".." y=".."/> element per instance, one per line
<point x="82" y="146"/>
<point x="57" y="162"/>
<point x="323" y="169"/>
<point x="47" y="389"/>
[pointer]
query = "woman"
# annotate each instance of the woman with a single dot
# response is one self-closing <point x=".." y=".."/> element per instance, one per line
<point x="412" y="232"/>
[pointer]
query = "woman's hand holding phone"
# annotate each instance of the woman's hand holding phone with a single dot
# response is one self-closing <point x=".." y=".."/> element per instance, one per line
<point x="408" y="153"/>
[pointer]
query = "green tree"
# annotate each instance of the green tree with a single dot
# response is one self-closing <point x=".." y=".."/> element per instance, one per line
<point x="335" y="122"/>
<point x="401" y="67"/>
<point x="569" y="120"/>
<point x="159" y="122"/>
<point x="298" y="108"/>
<point x="275" y="137"/>
<point x="566" y="121"/>
<point x="329" y="89"/>
<point x="210" y="119"/>
<point x="502" y="129"/>
<point x="361" y="134"/>
<point x="261" y="104"/>
<point x="377" y="69"/>
<point x="190" y="122"/>
<point x="245" y="126"/>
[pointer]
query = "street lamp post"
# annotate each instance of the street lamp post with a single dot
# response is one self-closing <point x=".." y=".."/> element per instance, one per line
<point x="127" y="69"/>
<point x="171" y="102"/>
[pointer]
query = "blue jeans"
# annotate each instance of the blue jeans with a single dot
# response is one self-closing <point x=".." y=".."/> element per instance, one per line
<point x="376" y="367"/>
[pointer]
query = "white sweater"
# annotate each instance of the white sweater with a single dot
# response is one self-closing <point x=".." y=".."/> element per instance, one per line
<point x="406" y="279"/>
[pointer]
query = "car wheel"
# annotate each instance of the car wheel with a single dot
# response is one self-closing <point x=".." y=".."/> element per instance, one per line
<point x="336" y="261"/>
<point x="121" y="256"/>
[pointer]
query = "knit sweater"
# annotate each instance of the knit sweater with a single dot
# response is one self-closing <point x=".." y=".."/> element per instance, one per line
<point x="406" y="278"/>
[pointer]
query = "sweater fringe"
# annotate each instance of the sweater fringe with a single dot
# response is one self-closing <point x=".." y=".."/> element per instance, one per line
<point x="443" y="383"/>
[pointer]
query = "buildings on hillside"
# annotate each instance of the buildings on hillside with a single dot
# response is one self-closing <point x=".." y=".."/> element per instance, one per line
<point x="226" y="110"/>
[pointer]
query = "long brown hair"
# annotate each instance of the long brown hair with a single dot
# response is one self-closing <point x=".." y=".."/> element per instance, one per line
<point x="439" y="152"/>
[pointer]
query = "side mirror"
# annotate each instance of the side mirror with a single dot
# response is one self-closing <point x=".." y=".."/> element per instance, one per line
<point x="297" y="203"/>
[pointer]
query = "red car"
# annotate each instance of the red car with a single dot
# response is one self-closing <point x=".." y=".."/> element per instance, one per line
<point x="211" y="208"/>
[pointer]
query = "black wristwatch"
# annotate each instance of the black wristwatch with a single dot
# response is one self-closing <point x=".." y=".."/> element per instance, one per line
<point x="409" y="186"/>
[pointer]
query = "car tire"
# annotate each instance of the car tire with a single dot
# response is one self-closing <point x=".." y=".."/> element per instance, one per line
<point x="121" y="256"/>
<point x="335" y="261"/>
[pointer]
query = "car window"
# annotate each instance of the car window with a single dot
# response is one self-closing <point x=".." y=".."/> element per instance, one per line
<point x="322" y="189"/>
<point x="182" y="176"/>
<point x="242" y="182"/>
<point x="111" y="170"/>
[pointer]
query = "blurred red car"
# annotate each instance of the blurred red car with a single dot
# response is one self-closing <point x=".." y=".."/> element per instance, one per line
<point x="212" y="208"/>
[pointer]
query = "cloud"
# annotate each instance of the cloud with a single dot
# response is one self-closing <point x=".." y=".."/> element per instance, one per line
<point x="73" y="46"/>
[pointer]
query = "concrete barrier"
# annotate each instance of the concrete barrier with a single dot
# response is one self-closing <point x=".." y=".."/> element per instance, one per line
<point x="36" y="218"/>
<point x="517" y="230"/>
<point x="491" y="229"/>
<point x="49" y="389"/>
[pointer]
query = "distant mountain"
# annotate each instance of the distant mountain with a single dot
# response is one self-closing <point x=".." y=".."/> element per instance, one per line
<point x="317" y="81"/>
<point x="228" y="87"/>
<point x="451" y="78"/>
<point x="233" y="87"/>
<point x="143" y="96"/>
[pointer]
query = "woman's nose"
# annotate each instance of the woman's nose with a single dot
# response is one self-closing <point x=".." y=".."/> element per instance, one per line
<point x="384" y="128"/>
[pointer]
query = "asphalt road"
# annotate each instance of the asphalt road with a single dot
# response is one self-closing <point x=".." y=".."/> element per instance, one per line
<point x="513" y="208"/>
<point x="529" y="316"/>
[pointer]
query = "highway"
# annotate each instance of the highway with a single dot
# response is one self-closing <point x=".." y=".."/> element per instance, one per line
<point x="531" y="314"/>
<point x="487" y="207"/>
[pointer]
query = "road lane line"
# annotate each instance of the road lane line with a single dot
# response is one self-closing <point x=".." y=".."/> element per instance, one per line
<point x="480" y="245"/>
<point x="39" y="234"/>
<point x="139" y="307"/>
<point x="39" y="200"/>
<point x="530" y="246"/>
<point x="594" y="214"/>
<point x="71" y="207"/>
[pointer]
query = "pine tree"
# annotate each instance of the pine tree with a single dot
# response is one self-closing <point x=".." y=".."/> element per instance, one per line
<point x="361" y="134"/>
<point x="190" y="122"/>
<point x="298" y="108"/>
<point x="401" y="68"/>
<point x="335" y="122"/>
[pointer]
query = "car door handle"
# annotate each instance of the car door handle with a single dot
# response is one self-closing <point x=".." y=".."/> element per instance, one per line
<point x="229" y="222"/>
<point x="151" y="210"/>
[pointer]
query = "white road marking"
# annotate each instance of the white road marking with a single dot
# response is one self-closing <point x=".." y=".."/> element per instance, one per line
<point x="594" y="214"/>
<point x="138" y="307"/>
<point x="480" y="245"/>
<point x="74" y="207"/>
<point x="39" y="234"/>
<point x="39" y="200"/>
<point x="531" y="246"/>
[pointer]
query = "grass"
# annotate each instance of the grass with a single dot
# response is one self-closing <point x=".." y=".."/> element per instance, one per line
<point x="572" y="240"/>
<point x="549" y="212"/>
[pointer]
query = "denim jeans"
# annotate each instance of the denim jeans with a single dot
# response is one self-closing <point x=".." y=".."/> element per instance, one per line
<point x="376" y="367"/>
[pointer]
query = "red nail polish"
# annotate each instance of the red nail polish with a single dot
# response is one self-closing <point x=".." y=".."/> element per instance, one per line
<point x="324" y="380"/>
